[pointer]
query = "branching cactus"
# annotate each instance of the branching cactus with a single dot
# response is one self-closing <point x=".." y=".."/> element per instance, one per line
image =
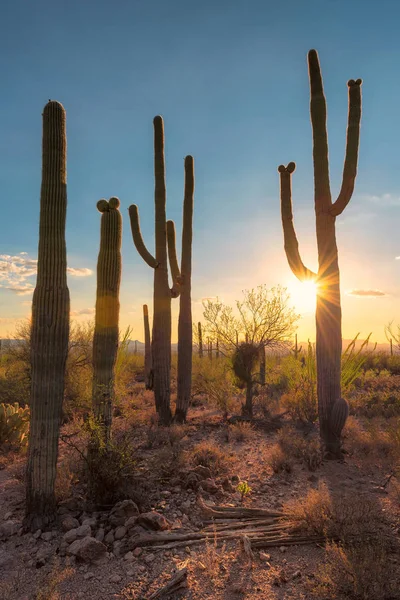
<point x="106" y="331"/>
<point x="148" y="371"/>
<point x="185" y="332"/>
<point x="162" y="294"/>
<point x="50" y="324"/>
<point x="328" y="310"/>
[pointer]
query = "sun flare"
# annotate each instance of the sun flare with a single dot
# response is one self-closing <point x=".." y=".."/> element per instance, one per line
<point x="303" y="295"/>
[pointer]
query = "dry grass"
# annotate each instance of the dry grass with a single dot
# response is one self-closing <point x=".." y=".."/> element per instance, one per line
<point x="280" y="461"/>
<point x="210" y="455"/>
<point x="356" y="572"/>
<point x="242" y="432"/>
<point x="49" y="584"/>
<point x="374" y="439"/>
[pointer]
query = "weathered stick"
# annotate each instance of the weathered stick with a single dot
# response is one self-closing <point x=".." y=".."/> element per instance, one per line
<point x="176" y="583"/>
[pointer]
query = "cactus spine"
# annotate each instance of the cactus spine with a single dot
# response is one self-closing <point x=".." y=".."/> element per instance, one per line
<point x="200" y="339"/>
<point x="106" y="333"/>
<point x="185" y="332"/>
<point x="50" y="324"/>
<point x="162" y="294"/>
<point x="328" y="310"/>
<point x="148" y="372"/>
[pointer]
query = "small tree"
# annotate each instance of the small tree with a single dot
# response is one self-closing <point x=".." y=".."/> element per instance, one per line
<point x="263" y="319"/>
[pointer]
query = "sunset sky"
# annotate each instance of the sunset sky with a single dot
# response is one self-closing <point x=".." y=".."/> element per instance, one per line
<point x="231" y="81"/>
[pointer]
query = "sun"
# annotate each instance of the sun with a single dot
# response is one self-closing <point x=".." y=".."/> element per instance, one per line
<point x="303" y="295"/>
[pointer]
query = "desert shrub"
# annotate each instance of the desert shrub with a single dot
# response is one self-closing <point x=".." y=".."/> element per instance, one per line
<point x="241" y="431"/>
<point x="214" y="379"/>
<point x="297" y="446"/>
<point x="280" y="460"/>
<point x="301" y="402"/>
<point x="14" y="425"/>
<point x="355" y="572"/>
<point x="210" y="455"/>
<point x="376" y="395"/>
<point x="374" y="438"/>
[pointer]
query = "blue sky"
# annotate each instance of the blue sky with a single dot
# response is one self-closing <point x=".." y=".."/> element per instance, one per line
<point x="230" y="80"/>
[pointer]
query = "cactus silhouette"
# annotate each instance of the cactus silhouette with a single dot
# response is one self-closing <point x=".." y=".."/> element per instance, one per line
<point x="328" y="310"/>
<point x="162" y="293"/>
<point x="106" y="332"/>
<point x="50" y="324"/>
<point x="185" y="333"/>
<point x="148" y="371"/>
<point x="338" y="417"/>
<point x="200" y="339"/>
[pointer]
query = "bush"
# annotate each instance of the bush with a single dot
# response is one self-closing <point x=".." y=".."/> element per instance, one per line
<point x="209" y="455"/>
<point x="14" y="425"/>
<point x="280" y="460"/>
<point x="242" y="431"/>
<point x="295" y="445"/>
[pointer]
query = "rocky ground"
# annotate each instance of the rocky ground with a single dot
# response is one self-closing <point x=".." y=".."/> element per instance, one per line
<point x="92" y="555"/>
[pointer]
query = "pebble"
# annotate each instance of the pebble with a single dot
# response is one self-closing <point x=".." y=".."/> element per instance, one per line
<point x="120" y="532"/>
<point x="282" y="549"/>
<point x="89" y="575"/>
<point x="115" y="578"/>
<point x="137" y="551"/>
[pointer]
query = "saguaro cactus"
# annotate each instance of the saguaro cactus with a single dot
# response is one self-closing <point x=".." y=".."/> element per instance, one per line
<point x="161" y="338"/>
<point x="106" y="332"/>
<point x="328" y="310"/>
<point x="148" y="371"/>
<point x="200" y="339"/>
<point x="50" y="324"/>
<point x="185" y="333"/>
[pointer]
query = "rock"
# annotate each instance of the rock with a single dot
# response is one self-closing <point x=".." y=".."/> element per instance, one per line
<point x="37" y="534"/>
<point x="87" y="549"/>
<point x="70" y="536"/>
<point x="282" y="549"/>
<point x="166" y="493"/>
<point x="186" y="505"/>
<point x="204" y="472"/>
<point x="149" y="558"/>
<point x="69" y="523"/>
<point x="88" y="575"/>
<point x="137" y="552"/>
<point x="154" y="520"/>
<point x="109" y="538"/>
<point x="296" y="574"/>
<point x="227" y="485"/>
<point x="122" y="511"/>
<point x="235" y="479"/>
<point x="9" y="528"/>
<point x="129" y="556"/>
<point x="131" y="522"/>
<point x="91" y="521"/>
<point x="47" y="536"/>
<point x="84" y="531"/>
<point x="192" y="481"/>
<point x="117" y="548"/>
<point x="100" y="535"/>
<point x="120" y="532"/>
<point x="8" y="516"/>
<point x="115" y="578"/>
<point x="210" y="486"/>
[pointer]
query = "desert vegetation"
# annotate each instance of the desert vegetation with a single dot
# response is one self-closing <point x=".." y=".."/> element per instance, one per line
<point x="246" y="464"/>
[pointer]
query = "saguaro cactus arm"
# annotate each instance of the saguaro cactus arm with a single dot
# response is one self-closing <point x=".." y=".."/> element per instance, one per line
<point x="187" y="229"/>
<point x="320" y="137"/>
<point x="352" y="143"/>
<point x="290" y="239"/>
<point x="138" y="239"/>
<point x="173" y="259"/>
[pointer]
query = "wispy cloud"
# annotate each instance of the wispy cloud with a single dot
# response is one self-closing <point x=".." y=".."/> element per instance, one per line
<point x="16" y="270"/>
<point x="366" y="293"/>
<point x="83" y="272"/>
<point x="383" y="199"/>
<point x="82" y="311"/>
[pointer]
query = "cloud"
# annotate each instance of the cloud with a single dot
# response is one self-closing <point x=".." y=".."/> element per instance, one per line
<point x="383" y="199"/>
<point x="82" y="311"/>
<point x="83" y="272"/>
<point x="366" y="293"/>
<point x="16" y="270"/>
<point x="21" y="290"/>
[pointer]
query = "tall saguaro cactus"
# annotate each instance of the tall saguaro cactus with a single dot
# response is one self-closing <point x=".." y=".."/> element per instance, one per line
<point x="148" y="370"/>
<point x="106" y="331"/>
<point x="50" y="324"/>
<point x="162" y="294"/>
<point x="185" y="332"/>
<point x="328" y="309"/>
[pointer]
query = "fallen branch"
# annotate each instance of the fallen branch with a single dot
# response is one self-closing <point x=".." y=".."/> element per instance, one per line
<point x="236" y="512"/>
<point x="178" y="582"/>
